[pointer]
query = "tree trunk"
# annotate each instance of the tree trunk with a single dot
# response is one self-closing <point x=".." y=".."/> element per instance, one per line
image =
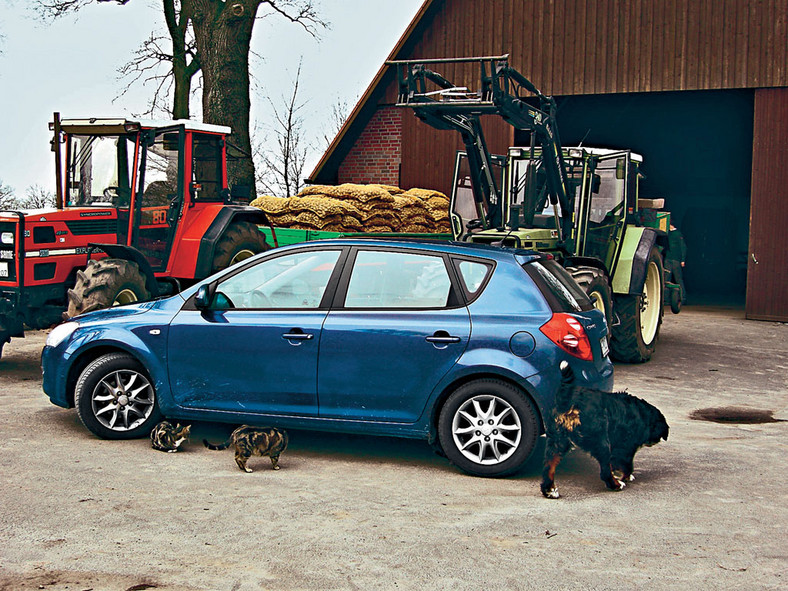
<point x="223" y="33"/>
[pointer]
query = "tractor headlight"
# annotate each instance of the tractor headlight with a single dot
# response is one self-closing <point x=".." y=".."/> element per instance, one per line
<point x="60" y="333"/>
<point x="7" y="238"/>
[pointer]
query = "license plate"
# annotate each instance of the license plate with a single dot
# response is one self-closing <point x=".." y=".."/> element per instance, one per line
<point x="605" y="349"/>
<point x="3" y="269"/>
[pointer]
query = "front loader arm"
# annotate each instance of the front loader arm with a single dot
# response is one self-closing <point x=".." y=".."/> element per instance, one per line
<point x="501" y="89"/>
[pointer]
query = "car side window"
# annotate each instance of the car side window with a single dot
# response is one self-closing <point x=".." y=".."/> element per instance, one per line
<point x="383" y="279"/>
<point x="473" y="275"/>
<point x="296" y="280"/>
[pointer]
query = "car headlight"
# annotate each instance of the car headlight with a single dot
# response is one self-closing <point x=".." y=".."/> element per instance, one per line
<point x="60" y="333"/>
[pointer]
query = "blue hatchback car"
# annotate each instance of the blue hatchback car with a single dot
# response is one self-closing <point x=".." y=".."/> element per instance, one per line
<point x="458" y="344"/>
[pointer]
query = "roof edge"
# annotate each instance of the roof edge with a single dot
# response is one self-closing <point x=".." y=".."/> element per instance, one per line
<point x="335" y="143"/>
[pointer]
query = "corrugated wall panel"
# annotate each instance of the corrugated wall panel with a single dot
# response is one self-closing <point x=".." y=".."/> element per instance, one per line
<point x="767" y="269"/>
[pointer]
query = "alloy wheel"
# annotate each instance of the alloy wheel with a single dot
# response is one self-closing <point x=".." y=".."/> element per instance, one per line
<point x="486" y="429"/>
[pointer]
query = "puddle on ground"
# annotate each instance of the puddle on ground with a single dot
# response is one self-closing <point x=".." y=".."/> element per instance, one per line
<point x="734" y="415"/>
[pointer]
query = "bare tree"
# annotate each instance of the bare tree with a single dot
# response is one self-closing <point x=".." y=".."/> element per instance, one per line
<point x="282" y="165"/>
<point x="340" y="111"/>
<point x="169" y="63"/>
<point x="223" y="33"/>
<point x="36" y="197"/>
<point x="222" y="38"/>
<point x="7" y="198"/>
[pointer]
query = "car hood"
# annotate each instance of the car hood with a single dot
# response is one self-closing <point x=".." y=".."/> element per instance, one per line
<point x="125" y="311"/>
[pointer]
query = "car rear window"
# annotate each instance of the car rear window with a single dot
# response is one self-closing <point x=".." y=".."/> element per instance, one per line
<point x="560" y="290"/>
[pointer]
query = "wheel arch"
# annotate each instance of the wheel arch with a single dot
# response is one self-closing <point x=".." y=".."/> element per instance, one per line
<point x="129" y="253"/>
<point x="87" y="356"/>
<point x="226" y="216"/>
<point x="629" y="275"/>
<point x="460" y="381"/>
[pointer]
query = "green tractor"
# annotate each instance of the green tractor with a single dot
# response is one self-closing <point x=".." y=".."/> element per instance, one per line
<point x="581" y="204"/>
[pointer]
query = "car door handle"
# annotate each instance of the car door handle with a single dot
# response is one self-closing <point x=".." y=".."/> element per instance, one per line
<point x="442" y="338"/>
<point x="297" y="336"/>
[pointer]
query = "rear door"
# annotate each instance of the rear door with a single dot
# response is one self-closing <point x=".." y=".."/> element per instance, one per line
<point x="396" y="328"/>
<point x="256" y="350"/>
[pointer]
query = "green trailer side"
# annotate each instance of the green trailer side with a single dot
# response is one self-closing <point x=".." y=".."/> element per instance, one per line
<point x="287" y="236"/>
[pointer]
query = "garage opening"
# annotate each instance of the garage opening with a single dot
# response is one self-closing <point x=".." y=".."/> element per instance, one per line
<point x="697" y="151"/>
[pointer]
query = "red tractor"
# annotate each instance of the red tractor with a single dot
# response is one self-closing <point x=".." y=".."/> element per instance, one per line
<point x="142" y="209"/>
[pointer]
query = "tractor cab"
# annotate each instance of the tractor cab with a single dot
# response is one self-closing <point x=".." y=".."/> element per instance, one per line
<point x="142" y="209"/>
<point x="601" y="189"/>
<point x="142" y="177"/>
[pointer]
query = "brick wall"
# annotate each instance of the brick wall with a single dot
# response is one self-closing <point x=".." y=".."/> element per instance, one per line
<point x="375" y="157"/>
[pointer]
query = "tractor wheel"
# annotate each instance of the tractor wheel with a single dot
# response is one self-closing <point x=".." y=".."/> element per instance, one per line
<point x="240" y="241"/>
<point x="106" y="283"/>
<point x="597" y="287"/>
<point x="640" y="316"/>
<point x="675" y="300"/>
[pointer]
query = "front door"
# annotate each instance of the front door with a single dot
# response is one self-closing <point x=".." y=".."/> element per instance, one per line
<point x="256" y="350"/>
<point x="160" y="190"/>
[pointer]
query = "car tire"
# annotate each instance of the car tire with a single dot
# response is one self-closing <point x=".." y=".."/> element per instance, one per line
<point x="504" y="440"/>
<point x="241" y="241"/>
<point x="115" y="398"/>
<point x="105" y="283"/>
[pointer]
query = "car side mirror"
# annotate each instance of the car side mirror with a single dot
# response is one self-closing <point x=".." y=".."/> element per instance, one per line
<point x="203" y="297"/>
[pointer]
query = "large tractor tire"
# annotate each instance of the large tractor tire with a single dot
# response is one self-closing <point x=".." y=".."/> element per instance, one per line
<point x="105" y="283"/>
<point x="240" y="241"/>
<point x="596" y="285"/>
<point x="640" y="316"/>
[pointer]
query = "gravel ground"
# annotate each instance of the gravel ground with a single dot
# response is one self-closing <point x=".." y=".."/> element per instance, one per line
<point x="708" y="508"/>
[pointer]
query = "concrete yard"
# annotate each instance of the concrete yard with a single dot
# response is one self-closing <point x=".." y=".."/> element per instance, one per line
<point x="708" y="510"/>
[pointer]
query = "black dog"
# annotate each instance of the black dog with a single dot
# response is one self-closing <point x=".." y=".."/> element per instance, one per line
<point x="611" y="426"/>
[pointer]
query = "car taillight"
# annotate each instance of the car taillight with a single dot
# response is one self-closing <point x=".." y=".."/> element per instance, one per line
<point x="567" y="332"/>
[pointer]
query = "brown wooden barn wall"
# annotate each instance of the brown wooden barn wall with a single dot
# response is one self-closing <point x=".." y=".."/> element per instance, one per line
<point x="767" y="279"/>
<point x="569" y="47"/>
<point x="572" y="47"/>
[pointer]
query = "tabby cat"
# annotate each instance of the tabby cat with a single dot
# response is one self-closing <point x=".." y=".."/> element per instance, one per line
<point x="165" y="437"/>
<point x="248" y="441"/>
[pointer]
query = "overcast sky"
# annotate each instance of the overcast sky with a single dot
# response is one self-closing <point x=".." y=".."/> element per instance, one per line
<point x="71" y="67"/>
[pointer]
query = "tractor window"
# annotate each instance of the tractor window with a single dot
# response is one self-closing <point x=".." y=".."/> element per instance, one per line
<point x="161" y="171"/>
<point x="608" y="200"/>
<point x="207" y="168"/>
<point x="464" y="206"/>
<point x="98" y="170"/>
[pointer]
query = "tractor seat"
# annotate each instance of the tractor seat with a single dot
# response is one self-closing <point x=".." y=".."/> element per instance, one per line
<point x="544" y="221"/>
